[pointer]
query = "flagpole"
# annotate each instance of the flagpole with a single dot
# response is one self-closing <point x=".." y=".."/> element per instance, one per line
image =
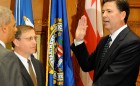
<point x="48" y="43"/>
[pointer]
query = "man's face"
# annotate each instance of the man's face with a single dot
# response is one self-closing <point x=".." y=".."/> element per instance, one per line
<point x="112" y="17"/>
<point x="11" y="29"/>
<point x="27" y="42"/>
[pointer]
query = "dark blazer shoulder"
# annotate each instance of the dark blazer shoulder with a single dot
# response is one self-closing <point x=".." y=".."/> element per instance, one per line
<point x="10" y="69"/>
<point x="127" y="37"/>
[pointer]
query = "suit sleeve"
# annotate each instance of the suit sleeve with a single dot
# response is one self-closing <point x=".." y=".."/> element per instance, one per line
<point x="10" y="70"/>
<point x="2" y="79"/>
<point x="85" y="60"/>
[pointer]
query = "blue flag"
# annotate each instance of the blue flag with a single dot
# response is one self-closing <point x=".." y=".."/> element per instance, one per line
<point x="23" y="12"/>
<point x="60" y="70"/>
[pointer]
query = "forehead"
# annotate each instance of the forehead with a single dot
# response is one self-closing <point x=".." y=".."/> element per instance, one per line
<point x="12" y="18"/>
<point x="30" y="32"/>
<point x="110" y="5"/>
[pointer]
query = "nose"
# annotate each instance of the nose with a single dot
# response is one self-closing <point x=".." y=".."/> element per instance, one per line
<point x="35" y="43"/>
<point x="104" y="14"/>
<point x="34" y="40"/>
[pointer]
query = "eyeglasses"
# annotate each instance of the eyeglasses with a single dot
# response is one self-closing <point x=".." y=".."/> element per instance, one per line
<point x="30" y="38"/>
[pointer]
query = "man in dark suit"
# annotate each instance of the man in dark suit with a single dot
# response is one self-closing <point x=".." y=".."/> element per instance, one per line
<point x="24" y="46"/>
<point x="115" y="62"/>
<point x="9" y="65"/>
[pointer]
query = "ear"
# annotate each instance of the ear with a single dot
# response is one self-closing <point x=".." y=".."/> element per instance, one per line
<point x="4" y="27"/>
<point x="123" y="15"/>
<point x="16" y="42"/>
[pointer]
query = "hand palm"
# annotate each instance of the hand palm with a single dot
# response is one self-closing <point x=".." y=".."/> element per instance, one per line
<point x="81" y="29"/>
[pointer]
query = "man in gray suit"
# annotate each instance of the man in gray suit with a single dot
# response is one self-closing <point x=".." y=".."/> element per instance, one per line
<point x="115" y="63"/>
<point x="9" y="66"/>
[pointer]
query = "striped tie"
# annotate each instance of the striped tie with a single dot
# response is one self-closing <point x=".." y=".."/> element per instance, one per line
<point x="105" y="48"/>
<point x="32" y="74"/>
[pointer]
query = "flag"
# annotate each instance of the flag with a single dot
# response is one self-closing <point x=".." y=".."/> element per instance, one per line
<point x="59" y="62"/>
<point x="23" y="12"/>
<point x="93" y="35"/>
<point x="24" y="16"/>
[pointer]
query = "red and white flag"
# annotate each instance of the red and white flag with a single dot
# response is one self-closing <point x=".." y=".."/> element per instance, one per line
<point x="93" y="35"/>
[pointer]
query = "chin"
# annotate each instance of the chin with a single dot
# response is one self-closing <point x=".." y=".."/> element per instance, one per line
<point x="33" y="51"/>
<point x="107" y="28"/>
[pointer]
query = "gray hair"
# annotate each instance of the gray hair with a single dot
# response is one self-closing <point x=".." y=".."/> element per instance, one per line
<point x="5" y="15"/>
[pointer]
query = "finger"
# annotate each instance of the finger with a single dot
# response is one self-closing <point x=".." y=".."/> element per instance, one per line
<point x="84" y="20"/>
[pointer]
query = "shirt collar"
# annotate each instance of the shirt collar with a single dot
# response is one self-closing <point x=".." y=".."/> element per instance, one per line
<point x="2" y="43"/>
<point x="116" y="33"/>
<point x="23" y="59"/>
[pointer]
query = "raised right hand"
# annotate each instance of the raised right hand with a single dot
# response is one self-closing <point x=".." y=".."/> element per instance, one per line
<point x="81" y="29"/>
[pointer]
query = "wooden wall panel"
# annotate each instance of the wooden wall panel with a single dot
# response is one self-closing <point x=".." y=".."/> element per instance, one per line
<point x="5" y="3"/>
<point x="134" y="3"/>
<point x="40" y="8"/>
<point x="37" y="6"/>
<point x="134" y="20"/>
<point x="71" y="11"/>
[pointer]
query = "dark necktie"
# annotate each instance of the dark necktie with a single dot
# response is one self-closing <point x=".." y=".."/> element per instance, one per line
<point x="105" y="48"/>
<point x="32" y="74"/>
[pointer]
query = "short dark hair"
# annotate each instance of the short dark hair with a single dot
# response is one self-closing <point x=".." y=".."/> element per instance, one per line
<point x="21" y="29"/>
<point x="122" y="5"/>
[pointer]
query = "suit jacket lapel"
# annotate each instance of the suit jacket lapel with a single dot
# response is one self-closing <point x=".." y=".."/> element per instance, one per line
<point x="108" y="58"/>
<point x="36" y="66"/>
<point x="25" y="74"/>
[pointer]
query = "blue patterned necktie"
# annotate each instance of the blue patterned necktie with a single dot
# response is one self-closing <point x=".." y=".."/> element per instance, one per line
<point x="107" y="45"/>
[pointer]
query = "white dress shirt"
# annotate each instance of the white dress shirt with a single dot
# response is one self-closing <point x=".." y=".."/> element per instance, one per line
<point x="2" y="43"/>
<point x="25" y="63"/>
<point x="116" y="33"/>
